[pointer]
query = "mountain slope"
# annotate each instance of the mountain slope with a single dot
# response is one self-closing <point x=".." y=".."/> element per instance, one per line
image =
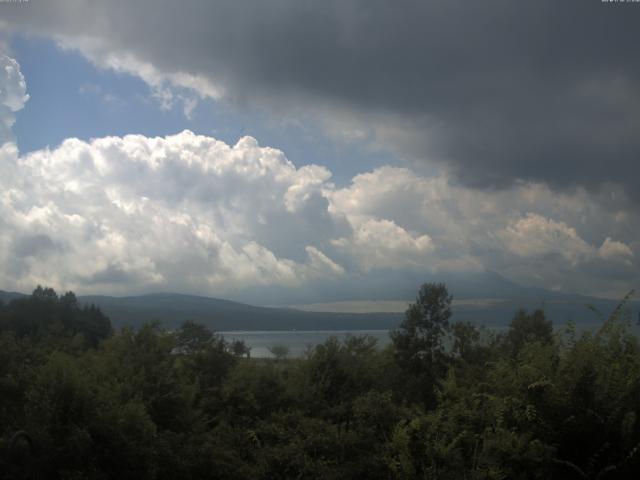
<point x="173" y="309"/>
<point x="6" y="297"/>
<point x="487" y="298"/>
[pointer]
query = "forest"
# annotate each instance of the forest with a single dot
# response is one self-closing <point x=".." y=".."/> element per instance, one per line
<point x="444" y="400"/>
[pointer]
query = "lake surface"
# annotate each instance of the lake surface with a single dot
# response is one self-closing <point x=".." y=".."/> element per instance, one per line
<point x="297" y="341"/>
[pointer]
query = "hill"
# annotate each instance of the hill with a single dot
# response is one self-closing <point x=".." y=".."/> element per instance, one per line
<point x="173" y="309"/>
<point x="6" y="297"/>
<point x="484" y="298"/>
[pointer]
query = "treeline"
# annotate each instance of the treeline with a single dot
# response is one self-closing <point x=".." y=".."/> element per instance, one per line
<point x="46" y="315"/>
<point x="443" y="400"/>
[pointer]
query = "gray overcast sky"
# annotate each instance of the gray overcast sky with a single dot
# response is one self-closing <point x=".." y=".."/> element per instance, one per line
<point x="446" y="136"/>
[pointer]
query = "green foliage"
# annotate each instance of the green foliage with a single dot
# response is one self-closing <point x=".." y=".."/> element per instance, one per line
<point x="280" y="352"/>
<point x="240" y="349"/>
<point x="527" y="328"/>
<point x="442" y="401"/>
<point x="419" y="342"/>
<point x="45" y="315"/>
<point x="193" y="338"/>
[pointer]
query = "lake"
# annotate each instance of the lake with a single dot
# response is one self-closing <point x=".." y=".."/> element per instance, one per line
<point x="297" y="341"/>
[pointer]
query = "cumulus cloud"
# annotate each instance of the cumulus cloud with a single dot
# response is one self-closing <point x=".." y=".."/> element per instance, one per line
<point x="610" y="249"/>
<point x="536" y="236"/>
<point x="13" y="95"/>
<point x="190" y="213"/>
<point x="496" y="91"/>
<point x="527" y="232"/>
<point x="380" y="243"/>
<point x="183" y="211"/>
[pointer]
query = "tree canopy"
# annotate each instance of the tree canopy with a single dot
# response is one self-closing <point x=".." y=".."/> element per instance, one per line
<point x="443" y="400"/>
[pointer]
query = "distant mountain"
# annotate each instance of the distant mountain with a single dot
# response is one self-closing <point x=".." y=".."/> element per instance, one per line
<point x="223" y="315"/>
<point x="483" y="298"/>
<point x="583" y="311"/>
<point x="394" y="285"/>
<point x="6" y="297"/>
<point x="173" y="309"/>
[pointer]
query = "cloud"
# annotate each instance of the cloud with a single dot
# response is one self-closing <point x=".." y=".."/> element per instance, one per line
<point x="496" y="91"/>
<point x="527" y="232"/>
<point x="13" y="95"/>
<point x="167" y="88"/>
<point x="610" y="249"/>
<point x="184" y="211"/>
<point x="380" y="243"/>
<point x="536" y="236"/>
<point x="190" y="213"/>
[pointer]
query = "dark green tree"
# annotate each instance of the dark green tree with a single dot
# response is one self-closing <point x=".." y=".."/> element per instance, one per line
<point x="527" y="328"/>
<point x="280" y="352"/>
<point x="240" y="349"/>
<point x="193" y="337"/>
<point x="418" y="342"/>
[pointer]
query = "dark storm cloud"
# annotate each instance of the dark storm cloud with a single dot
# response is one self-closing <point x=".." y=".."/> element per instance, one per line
<point x="497" y="90"/>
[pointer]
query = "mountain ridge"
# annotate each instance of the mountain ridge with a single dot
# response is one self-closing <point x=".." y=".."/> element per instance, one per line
<point x="501" y="296"/>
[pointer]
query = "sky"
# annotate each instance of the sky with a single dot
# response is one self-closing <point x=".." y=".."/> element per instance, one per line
<point x="299" y="151"/>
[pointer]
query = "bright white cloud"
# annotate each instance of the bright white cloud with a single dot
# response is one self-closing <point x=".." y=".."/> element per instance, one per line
<point x="13" y="95"/>
<point x="181" y="211"/>
<point x="380" y="243"/>
<point x="537" y="236"/>
<point x="188" y="212"/>
<point x="528" y="232"/>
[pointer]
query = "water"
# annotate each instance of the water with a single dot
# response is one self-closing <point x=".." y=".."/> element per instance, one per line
<point x="297" y="341"/>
